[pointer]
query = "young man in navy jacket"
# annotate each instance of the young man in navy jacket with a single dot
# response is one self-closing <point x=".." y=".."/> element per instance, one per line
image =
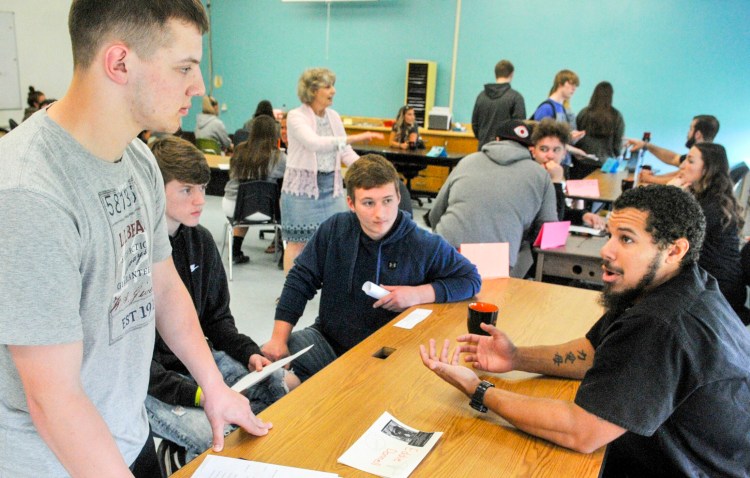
<point x="374" y="242"/>
<point x="174" y="402"/>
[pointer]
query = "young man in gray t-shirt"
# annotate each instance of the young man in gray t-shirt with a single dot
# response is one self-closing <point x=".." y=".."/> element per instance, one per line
<point x="86" y="254"/>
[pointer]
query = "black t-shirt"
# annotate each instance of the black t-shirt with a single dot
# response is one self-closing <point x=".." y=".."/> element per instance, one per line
<point x="402" y="136"/>
<point x="720" y="254"/>
<point x="673" y="370"/>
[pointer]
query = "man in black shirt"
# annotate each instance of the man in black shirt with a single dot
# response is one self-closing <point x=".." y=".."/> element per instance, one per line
<point x="665" y="372"/>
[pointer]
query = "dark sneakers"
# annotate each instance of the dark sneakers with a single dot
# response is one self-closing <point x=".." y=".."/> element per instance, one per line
<point x="240" y="258"/>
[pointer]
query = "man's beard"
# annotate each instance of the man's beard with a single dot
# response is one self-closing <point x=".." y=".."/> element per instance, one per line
<point x="690" y="141"/>
<point x="618" y="302"/>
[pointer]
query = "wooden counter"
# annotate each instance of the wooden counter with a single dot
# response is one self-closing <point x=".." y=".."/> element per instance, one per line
<point x="431" y="178"/>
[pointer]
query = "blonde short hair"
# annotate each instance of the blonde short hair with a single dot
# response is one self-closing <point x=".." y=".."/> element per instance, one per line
<point x="311" y="81"/>
<point x="210" y="105"/>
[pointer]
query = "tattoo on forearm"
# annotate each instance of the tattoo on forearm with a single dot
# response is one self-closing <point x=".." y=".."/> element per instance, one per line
<point x="570" y="357"/>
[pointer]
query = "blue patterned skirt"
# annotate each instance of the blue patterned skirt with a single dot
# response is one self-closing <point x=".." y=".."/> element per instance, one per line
<point x="301" y="215"/>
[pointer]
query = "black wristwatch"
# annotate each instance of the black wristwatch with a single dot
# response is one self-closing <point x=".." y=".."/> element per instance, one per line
<point x="477" y="399"/>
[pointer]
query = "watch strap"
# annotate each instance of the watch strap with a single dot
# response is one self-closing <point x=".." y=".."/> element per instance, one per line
<point x="477" y="399"/>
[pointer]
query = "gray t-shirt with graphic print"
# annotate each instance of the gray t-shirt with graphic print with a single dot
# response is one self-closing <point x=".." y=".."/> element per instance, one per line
<point x="80" y="236"/>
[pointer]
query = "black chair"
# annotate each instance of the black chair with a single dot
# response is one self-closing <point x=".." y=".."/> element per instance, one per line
<point x="405" y="203"/>
<point x="240" y="135"/>
<point x="738" y="172"/>
<point x="255" y="197"/>
<point x="186" y="135"/>
<point x="12" y="123"/>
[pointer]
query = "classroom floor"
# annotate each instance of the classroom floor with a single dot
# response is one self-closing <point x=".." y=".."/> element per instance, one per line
<point x="258" y="283"/>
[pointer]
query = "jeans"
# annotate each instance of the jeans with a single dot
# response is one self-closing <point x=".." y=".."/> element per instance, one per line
<point x="189" y="426"/>
<point x="315" y="359"/>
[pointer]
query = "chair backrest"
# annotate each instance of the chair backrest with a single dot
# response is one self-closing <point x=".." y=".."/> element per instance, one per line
<point x="186" y="135"/>
<point x="240" y="135"/>
<point x="208" y="145"/>
<point x="257" y="197"/>
<point x="738" y="172"/>
<point x="405" y="203"/>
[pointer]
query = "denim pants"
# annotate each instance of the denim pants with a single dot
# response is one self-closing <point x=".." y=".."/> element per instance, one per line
<point x="315" y="359"/>
<point x="189" y="427"/>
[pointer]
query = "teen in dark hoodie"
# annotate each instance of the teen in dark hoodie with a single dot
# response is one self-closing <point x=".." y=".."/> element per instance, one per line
<point x="373" y="242"/>
<point x="497" y="103"/>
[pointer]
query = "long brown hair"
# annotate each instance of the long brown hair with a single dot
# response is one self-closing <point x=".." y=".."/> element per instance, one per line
<point x="716" y="182"/>
<point x="603" y="115"/>
<point x="400" y="127"/>
<point x="256" y="157"/>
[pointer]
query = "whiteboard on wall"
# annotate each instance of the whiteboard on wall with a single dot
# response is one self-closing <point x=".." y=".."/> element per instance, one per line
<point x="10" y="87"/>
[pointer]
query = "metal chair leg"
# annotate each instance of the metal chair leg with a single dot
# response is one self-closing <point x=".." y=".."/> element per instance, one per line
<point x="230" y="241"/>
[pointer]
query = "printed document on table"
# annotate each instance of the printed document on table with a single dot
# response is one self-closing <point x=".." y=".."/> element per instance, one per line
<point x="215" y="466"/>
<point x="254" y="377"/>
<point x="389" y="448"/>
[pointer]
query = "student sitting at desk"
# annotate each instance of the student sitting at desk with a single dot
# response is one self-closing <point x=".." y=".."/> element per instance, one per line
<point x="496" y="195"/>
<point x="549" y="138"/>
<point x="405" y="132"/>
<point x="174" y="402"/>
<point x="208" y="125"/>
<point x="705" y="173"/>
<point x="258" y="158"/>
<point x="664" y="373"/>
<point x="373" y="242"/>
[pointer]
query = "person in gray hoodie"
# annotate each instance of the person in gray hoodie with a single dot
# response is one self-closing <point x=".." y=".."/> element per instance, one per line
<point x="498" y="102"/>
<point x="208" y="124"/>
<point x="496" y="195"/>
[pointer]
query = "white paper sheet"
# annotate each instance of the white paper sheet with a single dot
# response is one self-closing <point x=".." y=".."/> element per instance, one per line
<point x="215" y="466"/>
<point x="374" y="290"/>
<point x="224" y="166"/>
<point x="415" y="316"/>
<point x="587" y="230"/>
<point x="254" y="377"/>
<point x="389" y="448"/>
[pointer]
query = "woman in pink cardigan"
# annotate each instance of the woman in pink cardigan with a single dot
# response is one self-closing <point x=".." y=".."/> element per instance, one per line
<point x="313" y="189"/>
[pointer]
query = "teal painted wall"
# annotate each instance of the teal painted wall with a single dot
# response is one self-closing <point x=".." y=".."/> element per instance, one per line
<point x="668" y="60"/>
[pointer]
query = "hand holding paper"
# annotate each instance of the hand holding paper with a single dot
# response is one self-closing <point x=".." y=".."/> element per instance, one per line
<point x="402" y="297"/>
<point x="374" y="290"/>
<point x="254" y="377"/>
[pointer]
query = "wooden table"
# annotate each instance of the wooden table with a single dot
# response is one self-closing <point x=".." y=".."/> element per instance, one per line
<point x="610" y="186"/>
<point x="318" y="421"/>
<point x="219" y="174"/>
<point x="217" y="161"/>
<point x="579" y="258"/>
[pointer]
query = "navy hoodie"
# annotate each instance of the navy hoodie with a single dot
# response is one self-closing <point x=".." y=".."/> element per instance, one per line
<point x="343" y="258"/>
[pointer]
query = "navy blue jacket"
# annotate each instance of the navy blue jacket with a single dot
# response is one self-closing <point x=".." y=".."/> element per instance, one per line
<point x="341" y="257"/>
